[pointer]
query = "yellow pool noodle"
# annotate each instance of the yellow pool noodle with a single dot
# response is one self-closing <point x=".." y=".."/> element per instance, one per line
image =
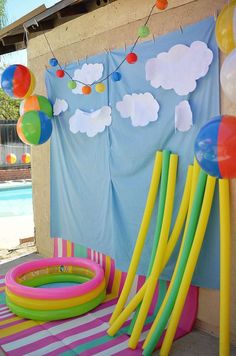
<point x="196" y="170"/>
<point x="190" y="266"/>
<point x="161" y="249"/>
<point x="183" y="210"/>
<point x="141" y="237"/>
<point x="136" y="300"/>
<point x="139" y="296"/>
<point x="225" y="272"/>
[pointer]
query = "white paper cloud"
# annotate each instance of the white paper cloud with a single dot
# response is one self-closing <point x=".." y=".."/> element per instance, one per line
<point x="90" y="123"/>
<point x="59" y="106"/>
<point x="88" y="74"/>
<point x="183" y="116"/>
<point x="179" y="68"/>
<point x="141" y="108"/>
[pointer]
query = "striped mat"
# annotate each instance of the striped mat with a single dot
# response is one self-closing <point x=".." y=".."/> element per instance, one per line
<point x="85" y="335"/>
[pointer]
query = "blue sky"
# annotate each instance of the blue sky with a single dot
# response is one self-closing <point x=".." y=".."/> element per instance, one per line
<point x="15" y="10"/>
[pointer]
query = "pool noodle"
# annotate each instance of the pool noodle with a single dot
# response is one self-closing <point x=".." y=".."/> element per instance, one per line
<point x="196" y="170"/>
<point x="161" y="206"/>
<point x="139" y="296"/>
<point x="225" y="272"/>
<point x="158" y="261"/>
<point x="183" y="210"/>
<point x="190" y="267"/>
<point x="180" y="267"/>
<point x="141" y="237"/>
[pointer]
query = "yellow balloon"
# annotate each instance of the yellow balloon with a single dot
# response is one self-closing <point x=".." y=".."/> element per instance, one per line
<point x="100" y="87"/>
<point x="226" y="28"/>
<point x="32" y="85"/>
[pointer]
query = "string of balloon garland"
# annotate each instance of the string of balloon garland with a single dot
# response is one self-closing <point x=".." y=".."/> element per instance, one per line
<point x="115" y="75"/>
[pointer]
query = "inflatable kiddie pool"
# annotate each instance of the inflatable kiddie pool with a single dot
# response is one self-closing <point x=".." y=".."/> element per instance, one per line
<point x="26" y="299"/>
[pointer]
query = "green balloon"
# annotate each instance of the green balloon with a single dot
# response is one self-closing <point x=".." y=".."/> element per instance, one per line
<point x="143" y="31"/>
<point x="71" y="84"/>
<point x="45" y="105"/>
<point x="31" y="127"/>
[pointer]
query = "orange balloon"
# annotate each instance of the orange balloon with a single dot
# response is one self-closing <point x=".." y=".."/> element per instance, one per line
<point x="161" y="4"/>
<point x="11" y="158"/>
<point x="86" y="89"/>
<point x="25" y="158"/>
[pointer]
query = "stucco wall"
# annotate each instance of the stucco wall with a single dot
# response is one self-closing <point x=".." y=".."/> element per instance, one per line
<point x="109" y="27"/>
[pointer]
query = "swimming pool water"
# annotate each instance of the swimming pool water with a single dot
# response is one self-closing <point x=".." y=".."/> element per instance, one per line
<point x="59" y="285"/>
<point x="16" y="201"/>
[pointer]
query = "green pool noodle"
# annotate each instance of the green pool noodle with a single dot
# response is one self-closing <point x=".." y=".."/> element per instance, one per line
<point x="160" y="213"/>
<point x="197" y="203"/>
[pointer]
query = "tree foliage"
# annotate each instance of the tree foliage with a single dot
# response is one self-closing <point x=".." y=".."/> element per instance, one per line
<point x="9" y="108"/>
<point x="3" y="15"/>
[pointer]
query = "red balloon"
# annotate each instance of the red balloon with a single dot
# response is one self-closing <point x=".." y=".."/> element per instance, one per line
<point x="60" y="73"/>
<point x="227" y="146"/>
<point x="131" y="58"/>
<point x="215" y="147"/>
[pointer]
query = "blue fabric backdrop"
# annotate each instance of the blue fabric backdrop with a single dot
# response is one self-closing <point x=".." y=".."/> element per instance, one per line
<point x="99" y="185"/>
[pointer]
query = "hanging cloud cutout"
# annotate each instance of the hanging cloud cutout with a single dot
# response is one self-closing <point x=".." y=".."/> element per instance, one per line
<point x="90" y="123"/>
<point x="88" y="74"/>
<point x="59" y="106"/>
<point x="180" y="68"/>
<point x="141" y="108"/>
<point x="183" y="116"/>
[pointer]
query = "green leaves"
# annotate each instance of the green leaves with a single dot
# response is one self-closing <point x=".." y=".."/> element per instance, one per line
<point x="9" y="108"/>
<point x="3" y="15"/>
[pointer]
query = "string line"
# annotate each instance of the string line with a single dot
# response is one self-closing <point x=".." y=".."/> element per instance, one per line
<point x="117" y="67"/>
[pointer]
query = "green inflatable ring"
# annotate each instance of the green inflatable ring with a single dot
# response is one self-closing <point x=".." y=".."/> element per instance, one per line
<point x="49" y="315"/>
<point x="55" y="278"/>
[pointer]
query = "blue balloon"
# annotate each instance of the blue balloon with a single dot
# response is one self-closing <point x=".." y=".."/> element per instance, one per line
<point x="215" y="147"/>
<point x="116" y="76"/>
<point x="53" y="62"/>
<point x="206" y="145"/>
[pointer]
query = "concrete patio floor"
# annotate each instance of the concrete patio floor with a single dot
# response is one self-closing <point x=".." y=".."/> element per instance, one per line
<point x="196" y="343"/>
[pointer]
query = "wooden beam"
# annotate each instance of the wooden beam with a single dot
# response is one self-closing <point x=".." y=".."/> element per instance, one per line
<point x="11" y="40"/>
<point x="73" y="10"/>
<point x="42" y="26"/>
<point x="22" y="20"/>
<point x="50" y="11"/>
<point x="7" y="49"/>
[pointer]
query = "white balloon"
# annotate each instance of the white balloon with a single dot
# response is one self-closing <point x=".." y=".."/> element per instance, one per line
<point x="228" y="76"/>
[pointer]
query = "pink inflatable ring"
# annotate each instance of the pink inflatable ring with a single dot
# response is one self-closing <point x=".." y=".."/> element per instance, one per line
<point x="91" y="271"/>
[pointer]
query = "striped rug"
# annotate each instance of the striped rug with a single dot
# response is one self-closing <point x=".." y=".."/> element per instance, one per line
<point x="85" y="335"/>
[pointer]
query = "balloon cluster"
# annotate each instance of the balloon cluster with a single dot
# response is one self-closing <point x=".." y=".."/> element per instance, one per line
<point x="12" y="159"/>
<point x="34" y="126"/>
<point x="131" y="58"/>
<point x="215" y="145"/>
<point x="226" y="40"/>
